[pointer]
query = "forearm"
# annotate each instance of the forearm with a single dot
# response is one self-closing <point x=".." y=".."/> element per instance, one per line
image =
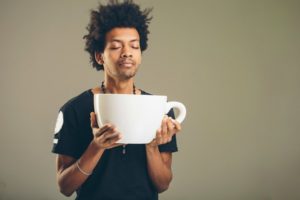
<point x="71" y="178"/>
<point x="160" y="173"/>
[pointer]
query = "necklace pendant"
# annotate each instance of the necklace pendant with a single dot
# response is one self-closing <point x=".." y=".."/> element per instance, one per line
<point x="104" y="91"/>
<point x="124" y="149"/>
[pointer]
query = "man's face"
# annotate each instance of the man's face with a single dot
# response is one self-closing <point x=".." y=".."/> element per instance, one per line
<point x="122" y="54"/>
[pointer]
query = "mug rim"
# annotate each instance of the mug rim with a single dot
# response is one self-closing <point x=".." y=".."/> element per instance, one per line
<point x="110" y="94"/>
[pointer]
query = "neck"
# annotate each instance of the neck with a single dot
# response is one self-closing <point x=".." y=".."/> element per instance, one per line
<point x="118" y="86"/>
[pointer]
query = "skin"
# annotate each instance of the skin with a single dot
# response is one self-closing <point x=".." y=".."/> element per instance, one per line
<point x="121" y="59"/>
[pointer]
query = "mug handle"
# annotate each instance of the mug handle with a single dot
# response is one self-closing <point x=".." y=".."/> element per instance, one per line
<point x="180" y="107"/>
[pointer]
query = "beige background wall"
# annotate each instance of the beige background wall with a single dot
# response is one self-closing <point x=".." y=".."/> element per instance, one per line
<point x="235" y="64"/>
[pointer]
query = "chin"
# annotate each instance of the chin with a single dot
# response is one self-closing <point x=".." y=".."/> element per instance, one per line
<point x="127" y="75"/>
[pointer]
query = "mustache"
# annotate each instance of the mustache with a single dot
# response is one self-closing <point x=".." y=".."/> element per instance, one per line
<point x="126" y="60"/>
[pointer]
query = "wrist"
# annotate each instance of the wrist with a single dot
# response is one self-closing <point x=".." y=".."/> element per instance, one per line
<point x="81" y="170"/>
<point x="96" y="147"/>
<point x="151" y="147"/>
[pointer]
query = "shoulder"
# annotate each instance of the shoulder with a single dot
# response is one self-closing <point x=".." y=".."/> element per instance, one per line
<point x="78" y="101"/>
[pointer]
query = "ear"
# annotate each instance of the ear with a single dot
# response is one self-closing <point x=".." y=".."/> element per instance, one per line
<point x="99" y="58"/>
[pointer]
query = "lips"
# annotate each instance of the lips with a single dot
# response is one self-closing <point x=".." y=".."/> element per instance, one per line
<point x="126" y="63"/>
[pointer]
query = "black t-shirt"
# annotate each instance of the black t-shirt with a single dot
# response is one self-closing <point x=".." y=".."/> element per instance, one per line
<point x="117" y="176"/>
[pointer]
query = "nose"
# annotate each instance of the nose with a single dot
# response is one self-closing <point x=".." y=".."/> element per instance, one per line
<point x="126" y="52"/>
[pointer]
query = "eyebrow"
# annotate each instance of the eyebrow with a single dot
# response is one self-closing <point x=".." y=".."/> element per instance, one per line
<point x="120" y="41"/>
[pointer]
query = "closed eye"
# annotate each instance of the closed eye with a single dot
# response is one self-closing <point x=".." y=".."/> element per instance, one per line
<point x="114" y="48"/>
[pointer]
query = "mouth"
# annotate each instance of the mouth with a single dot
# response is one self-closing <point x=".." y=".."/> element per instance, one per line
<point x="126" y="63"/>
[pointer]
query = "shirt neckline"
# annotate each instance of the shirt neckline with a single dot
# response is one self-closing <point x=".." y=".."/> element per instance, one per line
<point x="90" y="92"/>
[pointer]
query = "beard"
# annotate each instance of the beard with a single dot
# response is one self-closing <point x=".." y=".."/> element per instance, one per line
<point x="128" y="74"/>
<point x="123" y="73"/>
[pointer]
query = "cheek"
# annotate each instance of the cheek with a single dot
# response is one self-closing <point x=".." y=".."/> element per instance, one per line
<point x="110" y="57"/>
<point x="139" y="61"/>
<point x="139" y="58"/>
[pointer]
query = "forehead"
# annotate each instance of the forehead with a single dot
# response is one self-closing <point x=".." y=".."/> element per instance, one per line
<point x="122" y="35"/>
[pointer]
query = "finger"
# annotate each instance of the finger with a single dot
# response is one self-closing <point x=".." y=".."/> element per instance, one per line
<point x="153" y="142"/>
<point x="109" y="135"/>
<point x="177" y="125"/>
<point x="114" y="145"/>
<point x="163" y="131"/>
<point x="173" y="121"/>
<point x="164" y="126"/>
<point x="171" y="129"/>
<point x="159" y="136"/>
<point x="113" y="139"/>
<point x="171" y="125"/>
<point x="105" y="128"/>
<point x="164" y="138"/>
<point x="94" y="123"/>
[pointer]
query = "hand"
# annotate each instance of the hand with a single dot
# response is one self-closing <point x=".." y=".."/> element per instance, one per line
<point x="106" y="136"/>
<point x="164" y="134"/>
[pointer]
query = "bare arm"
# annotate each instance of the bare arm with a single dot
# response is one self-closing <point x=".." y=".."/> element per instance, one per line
<point x="72" y="173"/>
<point x="69" y="177"/>
<point x="159" y="168"/>
<point x="159" y="163"/>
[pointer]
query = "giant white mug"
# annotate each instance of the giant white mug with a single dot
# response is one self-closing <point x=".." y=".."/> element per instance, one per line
<point x="137" y="117"/>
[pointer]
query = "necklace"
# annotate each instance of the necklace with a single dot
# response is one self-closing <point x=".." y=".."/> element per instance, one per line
<point x="104" y="91"/>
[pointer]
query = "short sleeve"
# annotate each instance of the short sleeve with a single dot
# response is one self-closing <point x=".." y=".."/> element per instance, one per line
<point x="172" y="145"/>
<point x="66" y="133"/>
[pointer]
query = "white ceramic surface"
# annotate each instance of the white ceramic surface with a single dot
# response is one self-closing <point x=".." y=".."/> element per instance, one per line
<point x="137" y="117"/>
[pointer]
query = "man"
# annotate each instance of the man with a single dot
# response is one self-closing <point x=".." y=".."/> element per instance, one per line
<point x="89" y="160"/>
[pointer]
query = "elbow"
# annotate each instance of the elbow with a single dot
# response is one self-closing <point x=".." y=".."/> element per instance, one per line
<point x="65" y="191"/>
<point x="162" y="188"/>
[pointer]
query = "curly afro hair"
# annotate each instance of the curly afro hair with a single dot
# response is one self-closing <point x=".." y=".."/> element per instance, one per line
<point x="115" y="14"/>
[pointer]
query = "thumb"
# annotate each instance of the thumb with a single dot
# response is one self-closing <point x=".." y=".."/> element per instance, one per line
<point x="94" y="123"/>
